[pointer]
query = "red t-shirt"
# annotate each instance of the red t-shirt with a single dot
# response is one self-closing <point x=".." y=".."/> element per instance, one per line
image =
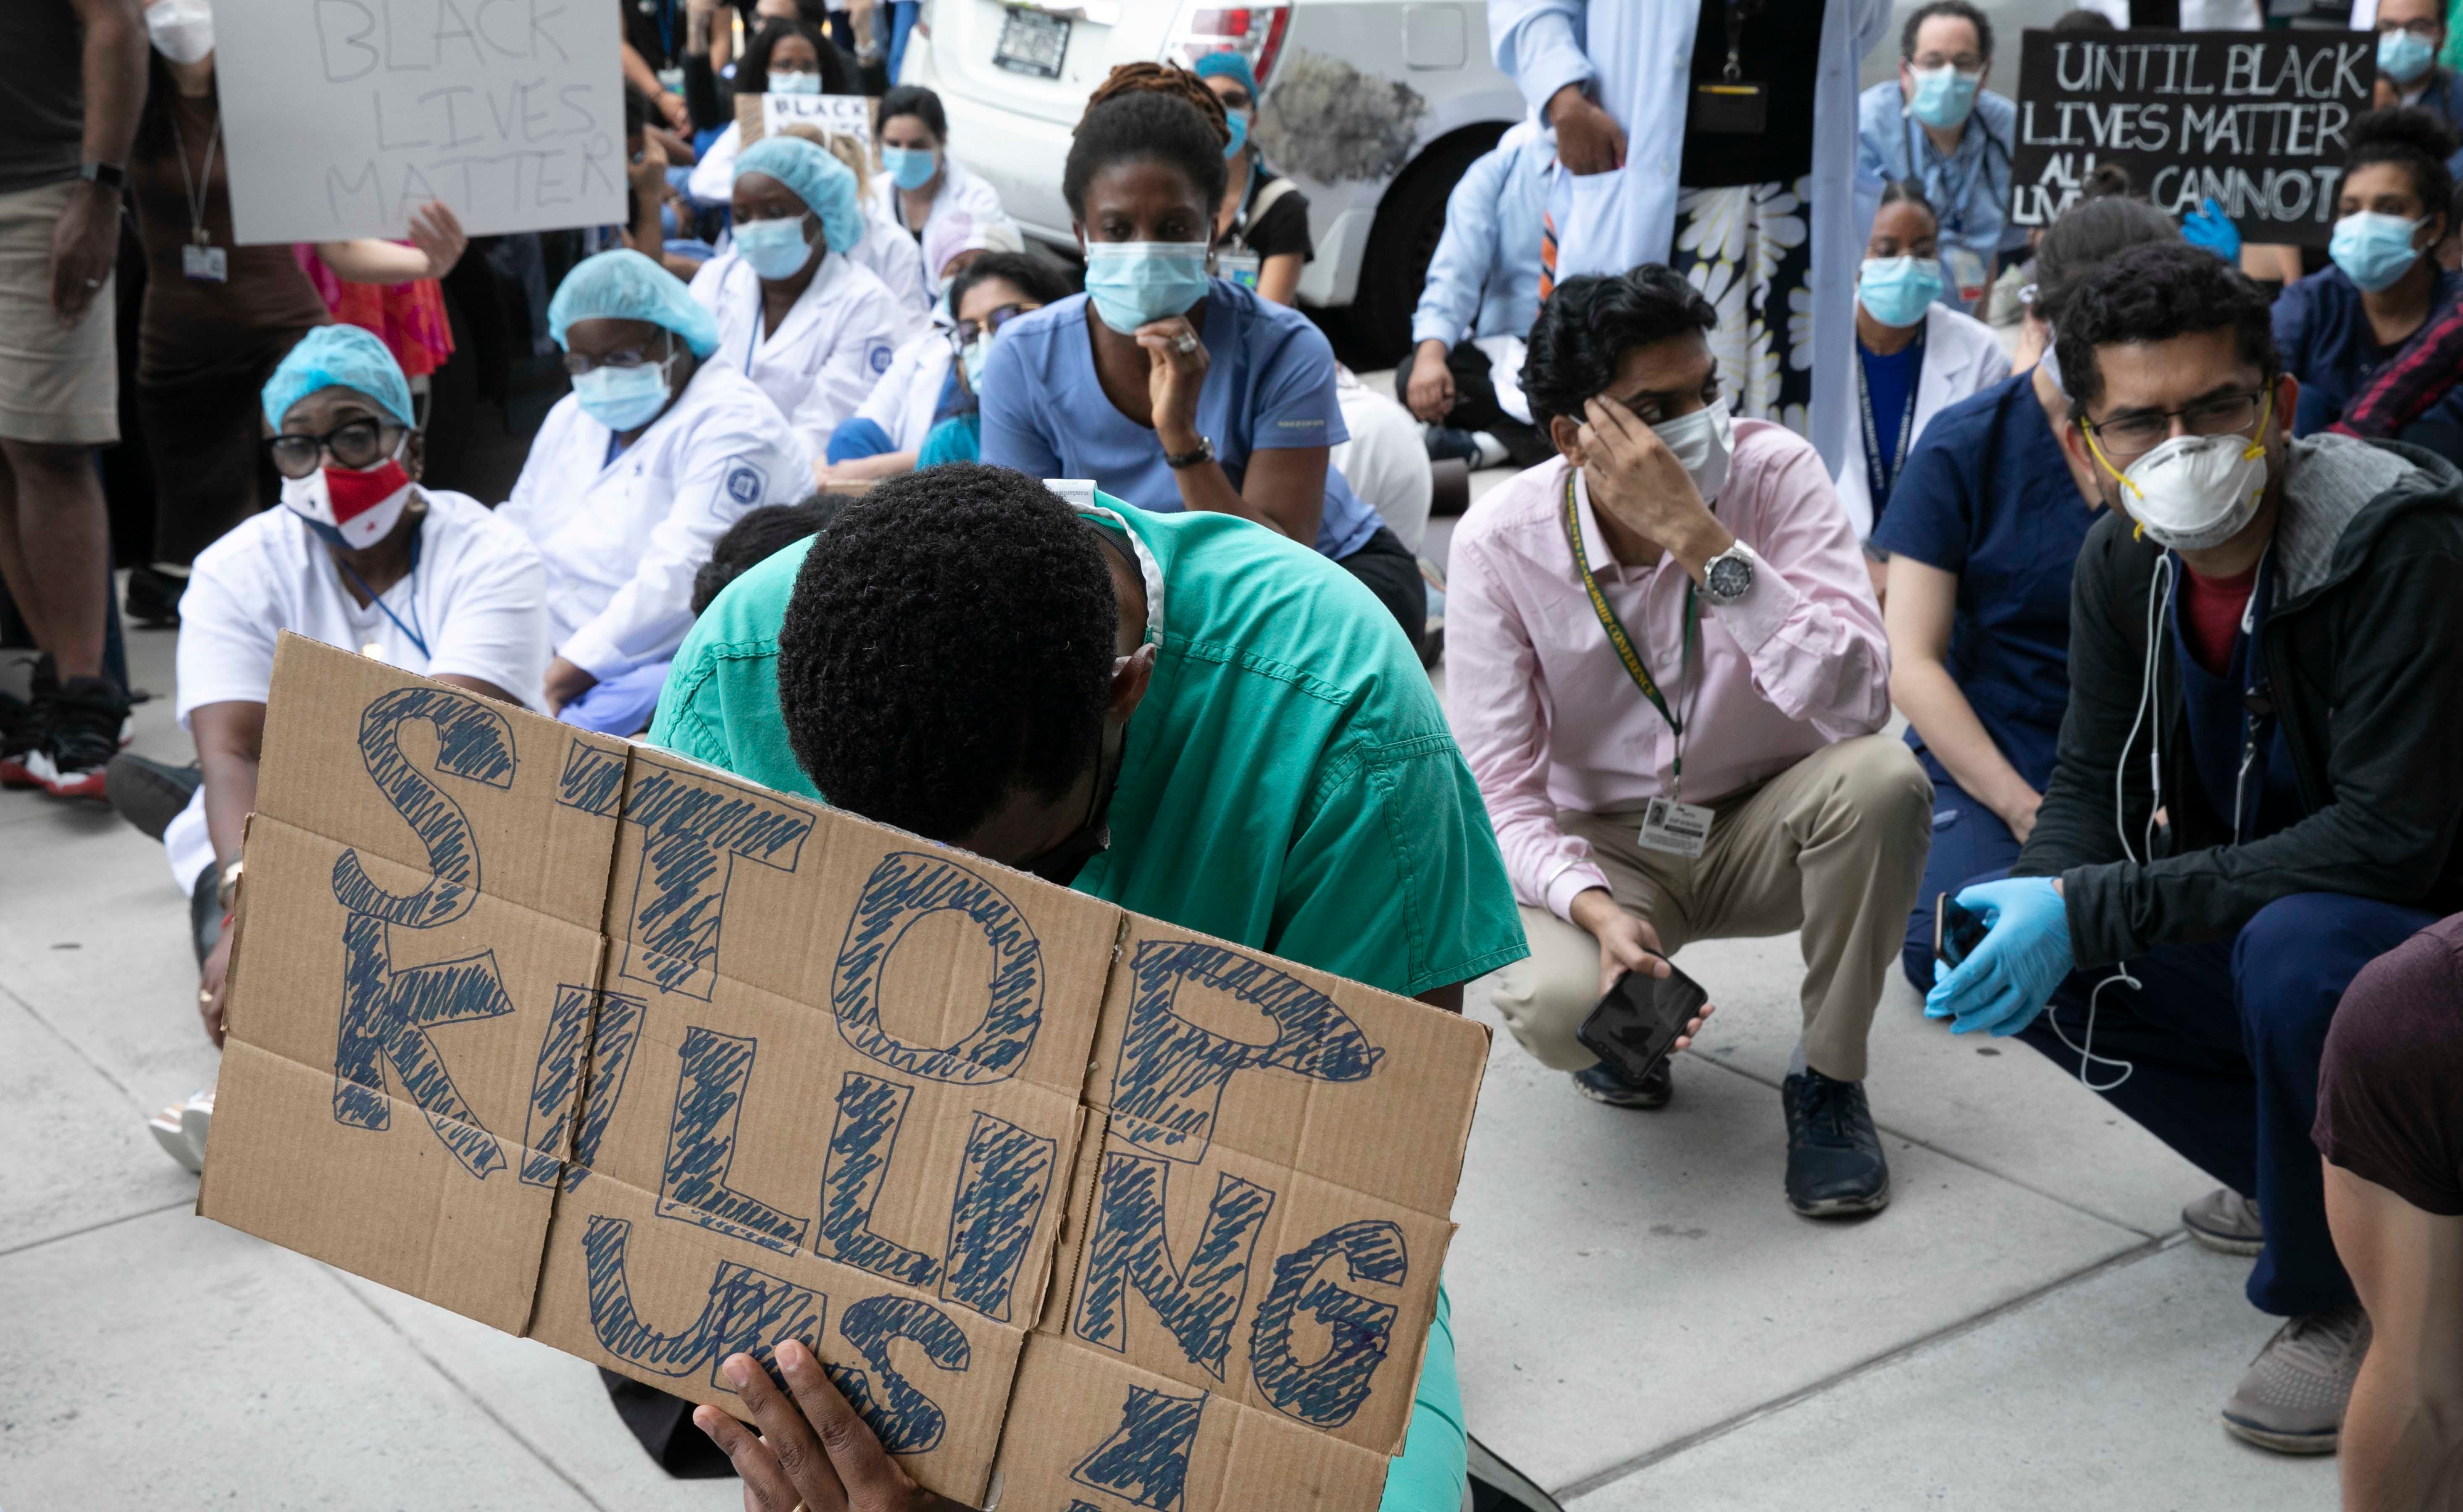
<point x="2210" y="611"/>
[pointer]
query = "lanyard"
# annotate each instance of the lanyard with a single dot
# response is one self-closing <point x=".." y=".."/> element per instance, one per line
<point x="196" y="197"/>
<point x="1877" y="478"/>
<point x="1624" y="642"/>
<point x="378" y="599"/>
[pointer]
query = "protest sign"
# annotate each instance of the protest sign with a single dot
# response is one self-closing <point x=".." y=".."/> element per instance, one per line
<point x="2255" y="120"/>
<point x="340" y="118"/>
<point x="758" y="115"/>
<point x="618" y="1052"/>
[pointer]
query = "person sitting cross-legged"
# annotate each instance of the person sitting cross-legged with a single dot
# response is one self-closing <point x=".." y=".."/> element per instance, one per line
<point x="1669" y="673"/>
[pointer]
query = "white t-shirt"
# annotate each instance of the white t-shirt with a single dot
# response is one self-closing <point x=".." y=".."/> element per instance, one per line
<point x="477" y="597"/>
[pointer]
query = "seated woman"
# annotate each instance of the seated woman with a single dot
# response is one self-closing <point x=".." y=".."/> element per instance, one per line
<point x="2340" y="325"/>
<point x="1261" y="231"/>
<point x="1171" y="389"/>
<point x="784" y="57"/>
<point x="923" y="190"/>
<point x="1983" y="526"/>
<point x="894" y="259"/>
<point x="795" y="315"/>
<point x="360" y="557"/>
<point x="1914" y="356"/>
<point x="632" y="476"/>
<point x="933" y="383"/>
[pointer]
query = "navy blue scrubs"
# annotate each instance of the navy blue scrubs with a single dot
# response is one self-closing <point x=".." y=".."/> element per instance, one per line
<point x="2323" y="337"/>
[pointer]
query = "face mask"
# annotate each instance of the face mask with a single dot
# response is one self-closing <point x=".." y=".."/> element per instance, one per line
<point x="352" y="509"/>
<point x="2196" y="491"/>
<point x="1064" y="860"/>
<point x="183" y="30"/>
<point x="2374" y="251"/>
<point x="1703" y="442"/>
<point x="776" y="248"/>
<point x="794" y="83"/>
<point x="1239" y="122"/>
<point x="623" y="398"/>
<point x="1134" y="282"/>
<point x="972" y="357"/>
<point x="2402" y="57"/>
<point x="909" y="167"/>
<point x="1897" y="291"/>
<point x="1943" y="96"/>
<point x="2051" y="363"/>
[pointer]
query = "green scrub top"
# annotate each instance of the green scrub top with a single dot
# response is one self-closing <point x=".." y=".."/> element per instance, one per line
<point x="1289" y="782"/>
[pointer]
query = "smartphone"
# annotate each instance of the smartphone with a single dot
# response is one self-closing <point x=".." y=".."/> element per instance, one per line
<point x="1956" y="930"/>
<point x="1637" y="1023"/>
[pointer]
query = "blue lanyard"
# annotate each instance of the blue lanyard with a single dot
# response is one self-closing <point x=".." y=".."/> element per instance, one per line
<point x="378" y="599"/>
<point x="1879" y="475"/>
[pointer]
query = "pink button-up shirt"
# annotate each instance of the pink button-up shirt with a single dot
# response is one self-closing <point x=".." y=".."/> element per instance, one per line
<point x="1548" y="718"/>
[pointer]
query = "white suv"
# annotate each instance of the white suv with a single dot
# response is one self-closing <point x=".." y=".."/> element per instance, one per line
<point x="1375" y="107"/>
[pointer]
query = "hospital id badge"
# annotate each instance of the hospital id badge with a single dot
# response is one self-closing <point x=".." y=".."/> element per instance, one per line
<point x="207" y="264"/>
<point x="1239" y="268"/>
<point x="1679" y="828"/>
<point x="1730" y="108"/>
<point x="1966" y="273"/>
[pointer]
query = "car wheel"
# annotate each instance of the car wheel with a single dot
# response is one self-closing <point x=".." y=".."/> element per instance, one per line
<point x="1409" y="220"/>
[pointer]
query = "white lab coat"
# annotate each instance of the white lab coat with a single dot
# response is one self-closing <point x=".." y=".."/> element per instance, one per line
<point x="713" y="174"/>
<point x="824" y="359"/>
<point x="964" y="204"/>
<point x="896" y="260"/>
<point x="1962" y="358"/>
<point x="1638" y="54"/>
<point x="904" y="402"/>
<point x="623" y="537"/>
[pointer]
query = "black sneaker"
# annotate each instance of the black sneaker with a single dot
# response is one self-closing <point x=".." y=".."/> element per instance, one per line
<point x="21" y="725"/>
<point x="84" y="725"/>
<point x="148" y="793"/>
<point x="153" y="597"/>
<point x="1835" y="1167"/>
<point x="1446" y="444"/>
<point x="1601" y="1084"/>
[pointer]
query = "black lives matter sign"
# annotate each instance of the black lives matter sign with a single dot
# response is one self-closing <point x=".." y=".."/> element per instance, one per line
<point x="2256" y="120"/>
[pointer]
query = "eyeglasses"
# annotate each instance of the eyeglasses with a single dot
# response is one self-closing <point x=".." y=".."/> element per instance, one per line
<point x="2424" y="30"/>
<point x="965" y="331"/>
<point x="621" y="359"/>
<point x="2142" y="431"/>
<point x="1235" y="99"/>
<point x="1964" y="62"/>
<point x="354" y="444"/>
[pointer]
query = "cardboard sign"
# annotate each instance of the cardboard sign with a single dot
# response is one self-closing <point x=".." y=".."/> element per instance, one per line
<point x="2255" y="120"/>
<point x="616" y="1052"/>
<point x="758" y="115"/>
<point x="340" y="118"/>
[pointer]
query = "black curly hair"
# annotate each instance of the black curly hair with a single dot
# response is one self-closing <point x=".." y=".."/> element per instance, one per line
<point x="2410" y="139"/>
<point x="949" y="642"/>
<point x="1152" y="125"/>
<point x="753" y="70"/>
<point x="757" y="536"/>
<point x="1592" y="321"/>
<point x="1038" y="277"/>
<point x="2155" y="293"/>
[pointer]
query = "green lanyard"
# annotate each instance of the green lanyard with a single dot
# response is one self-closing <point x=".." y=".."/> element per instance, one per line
<point x="1624" y="642"/>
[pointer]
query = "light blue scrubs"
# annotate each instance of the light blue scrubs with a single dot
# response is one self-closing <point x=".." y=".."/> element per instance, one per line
<point x="1484" y="280"/>
<point x="1268" y="386"/>
<point x="1969" y="189"/>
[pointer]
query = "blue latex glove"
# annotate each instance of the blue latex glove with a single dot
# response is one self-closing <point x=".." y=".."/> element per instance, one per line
<point x="2209" y="228"/>
<point x="2009" y="977"/>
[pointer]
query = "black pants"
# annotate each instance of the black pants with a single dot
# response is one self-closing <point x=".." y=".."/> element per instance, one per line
<point x="1476" y="406"/>
<point x="202" y="429"/>
<point x="1386" y="567"/>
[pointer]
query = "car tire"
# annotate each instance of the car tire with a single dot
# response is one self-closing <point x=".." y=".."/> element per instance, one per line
<point x="1409" y="218"/>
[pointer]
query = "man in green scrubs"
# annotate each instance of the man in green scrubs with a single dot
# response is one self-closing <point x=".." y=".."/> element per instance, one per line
<point x="1185" y="714"/>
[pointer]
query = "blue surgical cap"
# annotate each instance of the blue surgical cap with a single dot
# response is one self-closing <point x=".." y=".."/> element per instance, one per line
<point x="337" y="357"/>
<point x="825" y="184"/>
<point x="624" y="285"/>
<point x="1228" y="64"/>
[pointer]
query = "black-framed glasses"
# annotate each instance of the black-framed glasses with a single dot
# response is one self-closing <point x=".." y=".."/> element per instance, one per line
<point x="965" y="331"/>
<point x="622" y="359"/>
<point x="353" y="443"/>
<point x="2142" y="431"/>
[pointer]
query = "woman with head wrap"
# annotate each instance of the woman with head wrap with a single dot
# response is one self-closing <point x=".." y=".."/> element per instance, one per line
<point x="814" y="329"/>
<point x="652" y="456"/>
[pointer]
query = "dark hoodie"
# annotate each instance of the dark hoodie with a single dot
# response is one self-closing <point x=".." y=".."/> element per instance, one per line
<point x="2364" y="648"/>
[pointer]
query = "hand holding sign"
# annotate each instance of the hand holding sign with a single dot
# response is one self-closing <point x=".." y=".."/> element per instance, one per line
<point x="812" y="1451"/>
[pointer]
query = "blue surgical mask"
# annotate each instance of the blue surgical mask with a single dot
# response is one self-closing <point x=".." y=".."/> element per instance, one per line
<point x="2402" y="57"/>
<point x="909" y="167"/>
<point x="1897" y="291"/>
<point x="1943" y="96"/>
<point x="623" y="399"/>
<point x="2374" y="251"/>
<point x="776" y="248"/>
<point x="1132" y="283"/>
<point x="794" y="83"/>
<point x="973" y="357"/>
<point x="1239" y="120"/>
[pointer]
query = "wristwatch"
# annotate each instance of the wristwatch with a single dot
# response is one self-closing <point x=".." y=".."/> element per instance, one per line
<point x="1729" y="576"/>
<point x="1178" y="460"/>
<point x="108" y="174"/>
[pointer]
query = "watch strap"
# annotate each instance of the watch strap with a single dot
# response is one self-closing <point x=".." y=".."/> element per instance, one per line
<point x="1205" y="452"/>
<point x="109" y="175"/>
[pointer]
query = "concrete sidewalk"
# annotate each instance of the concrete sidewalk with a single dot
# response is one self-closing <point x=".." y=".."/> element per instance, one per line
<point x="1641" y="1323"/>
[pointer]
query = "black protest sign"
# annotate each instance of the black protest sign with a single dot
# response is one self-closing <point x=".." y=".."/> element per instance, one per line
<point x="2256" y="120"/>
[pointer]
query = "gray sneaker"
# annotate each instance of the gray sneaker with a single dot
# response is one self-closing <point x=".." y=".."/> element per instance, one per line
<point x="2225" y="1223"/>
<point x="2292" y="1400"/>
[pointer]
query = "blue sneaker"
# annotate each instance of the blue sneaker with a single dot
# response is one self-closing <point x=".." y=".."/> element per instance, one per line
<point x="1602" y="1085"/>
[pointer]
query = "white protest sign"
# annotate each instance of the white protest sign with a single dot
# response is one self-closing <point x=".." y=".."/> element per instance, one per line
<point x="851" y="114"/>
<point x="341" y="117"/>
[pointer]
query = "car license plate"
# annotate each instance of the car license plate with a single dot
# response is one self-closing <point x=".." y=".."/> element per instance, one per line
<point x="1031" y="42"/>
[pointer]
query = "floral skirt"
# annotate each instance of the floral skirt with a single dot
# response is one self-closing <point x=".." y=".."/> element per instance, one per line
<point x="1749" y="250"/>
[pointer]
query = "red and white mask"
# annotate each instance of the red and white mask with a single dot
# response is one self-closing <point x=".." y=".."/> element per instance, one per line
<point x="352" y="507"/>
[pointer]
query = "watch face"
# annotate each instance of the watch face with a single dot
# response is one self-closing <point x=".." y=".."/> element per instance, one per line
<point x="1730" y="576"/>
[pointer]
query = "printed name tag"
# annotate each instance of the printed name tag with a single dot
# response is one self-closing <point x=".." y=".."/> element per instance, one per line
<point x="207" y="264"/>
<point x="1966" y="272"/>
<point x="1679" y="828"/>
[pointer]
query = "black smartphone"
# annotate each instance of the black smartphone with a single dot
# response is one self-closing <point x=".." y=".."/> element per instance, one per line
<point x="1637" y="1023"/>
<point x="1956" y="930"/>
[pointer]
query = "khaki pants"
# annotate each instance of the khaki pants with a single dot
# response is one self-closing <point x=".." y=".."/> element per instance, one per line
<point x="60" y="385"/>
<point x="1834" y="846"/>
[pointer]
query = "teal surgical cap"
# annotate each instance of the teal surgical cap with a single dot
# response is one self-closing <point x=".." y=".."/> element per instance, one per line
<point x="337" y="357"/>
<point x="624" y="285"/>
<point x="1228" y="64"/>
<point x="825" y="184"/>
